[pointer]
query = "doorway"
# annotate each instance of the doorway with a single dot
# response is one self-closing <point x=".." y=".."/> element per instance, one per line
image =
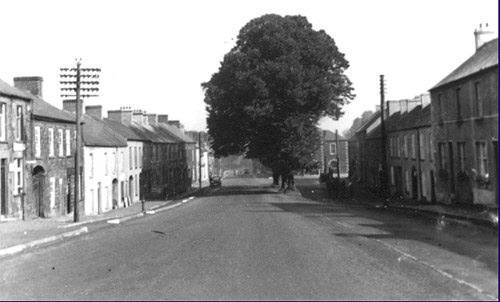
<point x="38" y="189"/>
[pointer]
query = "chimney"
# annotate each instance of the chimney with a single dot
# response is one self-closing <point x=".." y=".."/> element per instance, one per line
<point x="69" y="105"/>
<point x="412" y="104"/>
<point x="137" y="117"/>
<point x="152" y="118"/>
<point x="393" y="107"/>
<point x="124" y="115"/>
<point x="95" y="111"/>
<point x="163" y="118"/>
<point x="175" y="123"/>
<point x="144" y="118"/>
<point x="31" y="85"/>
<point x="404" y="106"/>
<point x="483" y="35"/>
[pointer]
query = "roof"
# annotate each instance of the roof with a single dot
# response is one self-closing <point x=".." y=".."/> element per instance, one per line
<point x="370" y="121"/>
<point x="97" y="134"/>
<point x="9" y="90"/>
<point x="44" y="110"/>
<point x="330" y="136"/>
<point x="124" y="130"/>
<point x="176" y="133"/>
<point x="418" y="117"/>
<point x="485" y="57"/>
<point x="151" y="133"/>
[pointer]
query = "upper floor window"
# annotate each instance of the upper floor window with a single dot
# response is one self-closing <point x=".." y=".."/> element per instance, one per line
<point x="91" y="165"/>
<point x="458" y="103"/>
<point x="18" y="175"/>
<point x="3" y="124"/>
<point x="478" y="101"/>
<point x="482" y="158"/>
<point x="431" y="148"/>
<point x="130" y="158"/>
<point x="106" y="163"/>
<point x="421" y="144"/>
<point x="333" y="148"/>
<point x="37" y="143"/>
<point x="19" y="123"/>
<point x="413" y="147"/>
<point x="51" y="142"/>
<point x="442" y="156"/>
<point x="68" y="142"/>
<point x="60" y="145"/>
<point x="405" y="146"/>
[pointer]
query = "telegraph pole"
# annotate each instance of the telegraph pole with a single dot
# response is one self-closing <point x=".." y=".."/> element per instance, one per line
<point x="337" y="153"/>
<point x="76" y="87"/>
<point x="199" y="157"/>
<point x="383" y="174"/>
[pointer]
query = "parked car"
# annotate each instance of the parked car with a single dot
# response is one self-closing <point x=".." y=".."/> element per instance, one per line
<point x="215" y="181"/>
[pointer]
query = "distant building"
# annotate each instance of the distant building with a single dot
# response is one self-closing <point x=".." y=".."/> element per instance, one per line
<point x="334" y="153"/>
<point x="465" y="127"/>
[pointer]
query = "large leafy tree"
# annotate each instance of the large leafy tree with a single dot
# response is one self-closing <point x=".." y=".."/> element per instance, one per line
<point x="272" y="88"/>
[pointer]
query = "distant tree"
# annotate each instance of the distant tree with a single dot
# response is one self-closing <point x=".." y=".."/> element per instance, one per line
<point x="271" y="89"/>
<point x="356" y="124"/>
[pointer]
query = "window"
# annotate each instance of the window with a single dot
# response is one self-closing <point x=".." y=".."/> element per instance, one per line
<point x="106" y="162"/>
<point x="408" y="181"/>
<point x="130" y="158"/>
<point x="18" y="175"/>
<point x="333" y="148"/>
<point x="122" y="161"/>
<point x="91" y="165"/>
<point x="37" y="145"/>
<point x="135" y="157"/>
<point x="52" y="192"/>
<point x="51" y="142"/>
<point x="431" y="148"/>
<point x="405" y="146"/>
<point x="391" y="153"/>
<point x="482" y="158"/>
<point x="442" y="156"/>
<point x="68" y="142"/>
<point x="421" y="144"/>
<point x="461" y="156"/>
<point x="478" y="101"/>
<point x="3" y="124"/>
<point x="439" y="106"/>
<point x="60" y="142"/>
<point x="398" y="146"/>
<point x="140" y="157"/>
<point x="113" y="162"/>
<point x="457" y="100"/>
<point x="19" y="123"/>
<point x="413" y="147"/>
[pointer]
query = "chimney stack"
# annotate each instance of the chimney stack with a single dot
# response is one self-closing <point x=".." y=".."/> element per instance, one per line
<point x="137" y="117"/>
<point x="175" y="124"/>
<point x="69" y="105"/>
<point x="95" y="111"/>
<point x="31" y="85"/>
<point x="152" y="118"/>
<point x="483" y="35"/>
<point x="124" y="115"/>
<point x="163" y="118"/>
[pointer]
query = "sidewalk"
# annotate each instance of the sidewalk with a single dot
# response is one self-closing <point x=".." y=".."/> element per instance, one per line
<point x="16" y="236"/>
<point x="476" y="214"/>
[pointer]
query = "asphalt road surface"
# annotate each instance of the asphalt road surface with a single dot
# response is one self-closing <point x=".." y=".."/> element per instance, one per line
<point x="245" y="241"/>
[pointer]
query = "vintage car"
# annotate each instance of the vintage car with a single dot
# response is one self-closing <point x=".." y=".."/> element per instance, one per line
<point x="215" y="181"/>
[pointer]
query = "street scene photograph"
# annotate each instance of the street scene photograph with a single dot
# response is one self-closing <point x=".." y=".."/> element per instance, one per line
<point x="322" y="150"/>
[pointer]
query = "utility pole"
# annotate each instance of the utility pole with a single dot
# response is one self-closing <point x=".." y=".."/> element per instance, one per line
<point x="75" y="85"/>
<point x="337" y="153"/>
<point x="323" y="146"/>
<point x="199" y="155"/>
<point x="383" y="174"/>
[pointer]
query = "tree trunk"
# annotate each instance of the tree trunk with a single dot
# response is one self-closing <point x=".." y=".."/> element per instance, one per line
<point x="283" y="180"/>
<point x="290" y="182"/>
<point x="276" y="177"/>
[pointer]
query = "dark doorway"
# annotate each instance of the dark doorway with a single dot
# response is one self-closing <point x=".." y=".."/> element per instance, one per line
<point x="38" y="189"/>
<point x="115" y="193"/>
<point x="3" y="188"/>
<point x="452" y="168"/>
<point x="433" y="188"/>
<point x="414" y="183"/>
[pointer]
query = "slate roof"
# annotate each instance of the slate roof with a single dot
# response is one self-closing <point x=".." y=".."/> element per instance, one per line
<point x="176" y="133"/>
<point x="485" y="57"/>
<point x="330" y="136"/>
<point x="370" y="121"/>
<point x="9" y="90"/>
<point x="44" y="110"/>
<point x="418" y="117"/>
<point x="97" y="134"/>
<point x="124" y="130"/>
<point x="151" y="133"/>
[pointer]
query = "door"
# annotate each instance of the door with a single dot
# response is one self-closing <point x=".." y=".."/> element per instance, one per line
<point x="38" y="188"/>
<point x="3" y="188"/>
<point x="433" y="188"/>
<point x="452" y="168"/>
<point x="414" y="183"/>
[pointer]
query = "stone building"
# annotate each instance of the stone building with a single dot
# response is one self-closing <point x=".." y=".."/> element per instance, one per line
<point x="15" y="133"/>
<point x="331" y="153"/>
<point x="465" y="127"/>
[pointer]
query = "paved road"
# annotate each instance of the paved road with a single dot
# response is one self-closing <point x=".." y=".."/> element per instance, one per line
<point x="243" y="241"/>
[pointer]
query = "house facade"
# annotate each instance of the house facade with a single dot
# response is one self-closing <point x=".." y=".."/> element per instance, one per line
<point x="465" y="128"/>
<point x="15" y="109"/>
<point x="51" y="155"/>
<point x="335" y="154"/>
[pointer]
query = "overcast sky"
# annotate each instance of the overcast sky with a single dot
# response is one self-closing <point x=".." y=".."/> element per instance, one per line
<point x="155" y="54"/>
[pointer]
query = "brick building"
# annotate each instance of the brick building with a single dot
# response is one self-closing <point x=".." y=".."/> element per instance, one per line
<point x="334" y="149"/>
<point x="15" y="109"/>
<point x="465" y="128"/>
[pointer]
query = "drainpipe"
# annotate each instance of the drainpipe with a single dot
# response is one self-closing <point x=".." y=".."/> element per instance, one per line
<point x="420" y="193"/>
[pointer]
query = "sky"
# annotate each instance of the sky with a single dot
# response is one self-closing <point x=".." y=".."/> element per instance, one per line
<point x="154" y="54"/>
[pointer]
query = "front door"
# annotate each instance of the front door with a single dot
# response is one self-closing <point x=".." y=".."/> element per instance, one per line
<point x="38" y="187"/>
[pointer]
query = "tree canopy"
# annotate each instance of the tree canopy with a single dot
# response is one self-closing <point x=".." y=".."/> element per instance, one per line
<point x="357" y="123"/>
<point x="272" y="88"/>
